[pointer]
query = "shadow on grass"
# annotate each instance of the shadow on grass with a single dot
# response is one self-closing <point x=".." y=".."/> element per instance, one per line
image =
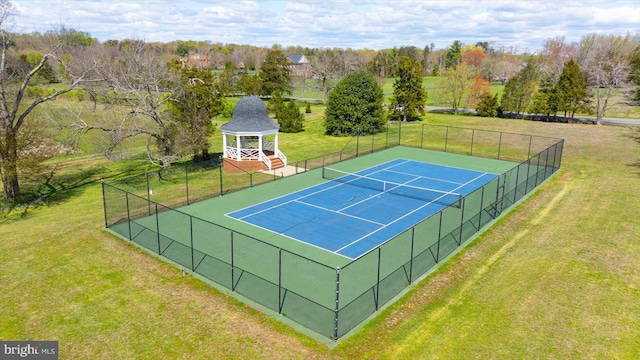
<point x="635" y="136"/>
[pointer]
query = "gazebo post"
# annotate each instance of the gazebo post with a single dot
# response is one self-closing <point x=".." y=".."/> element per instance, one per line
<point x="224" y="145"/>
<point x="238" y="147"/>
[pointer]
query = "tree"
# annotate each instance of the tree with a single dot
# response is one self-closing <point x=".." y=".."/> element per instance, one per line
<point x="453" y="85"/>
<point x="275" y="74"/>
<point x="192" y="107"/>
<point x="488" y="106"/>
<point x="545" y="100"/>
<point x="276" y="103"/>
<point x="409" y="96"/>
<point x="477" y="90"/>
<point x="325" y="67"/>
<point x="355" y="105"/>
<point x="290" y="118"/>
<point x="138" y="78"/>
<point x="606" y="60"/>
<point x="249" y="85"/>
<point x="571" y="89"/>
<point x="519" y="90"/>
<point x="14" y="110"/>
<point x="454" y="55"/>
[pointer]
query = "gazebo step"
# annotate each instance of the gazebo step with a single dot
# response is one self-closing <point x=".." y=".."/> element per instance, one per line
<point x="276" y="163"/>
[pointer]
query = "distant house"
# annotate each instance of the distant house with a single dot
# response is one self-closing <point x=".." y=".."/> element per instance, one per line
<point x="299" y="65"/>
<point x="196" y="60"/>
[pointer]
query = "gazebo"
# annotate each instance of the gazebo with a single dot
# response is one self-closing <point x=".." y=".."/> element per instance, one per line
<point x="250" y="139"/>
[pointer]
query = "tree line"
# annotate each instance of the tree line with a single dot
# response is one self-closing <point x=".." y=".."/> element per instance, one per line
<point x="170" y="93"/>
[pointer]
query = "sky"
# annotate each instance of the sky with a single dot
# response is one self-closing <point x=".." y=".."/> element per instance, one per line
<point x="358" y="24"/>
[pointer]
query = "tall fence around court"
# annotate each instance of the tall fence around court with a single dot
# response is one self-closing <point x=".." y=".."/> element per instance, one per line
<point x="328" y="300"/>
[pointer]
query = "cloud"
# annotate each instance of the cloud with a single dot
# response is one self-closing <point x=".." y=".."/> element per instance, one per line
<point x="333" y="23"/>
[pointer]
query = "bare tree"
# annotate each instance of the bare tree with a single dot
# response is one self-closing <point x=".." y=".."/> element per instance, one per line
<point x="138" y="77"/>
<point x="606" y="60"/>
<point x="453" y="86"/>
<point x="14" y="109"/>
<point x="325" y="68"/>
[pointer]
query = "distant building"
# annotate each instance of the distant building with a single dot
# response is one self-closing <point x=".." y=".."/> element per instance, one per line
<point x="299" y="65"/>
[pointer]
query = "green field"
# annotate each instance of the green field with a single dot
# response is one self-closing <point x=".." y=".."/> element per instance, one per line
<point x="558" y="278"/>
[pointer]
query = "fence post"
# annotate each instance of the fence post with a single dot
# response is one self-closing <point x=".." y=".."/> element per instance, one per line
<point x="413" y="234"/>
<point x="186" y="179"/>
<point x="515" y="189"/>
<point x="104" y="204"/>
<point x="193" y="264"/>
<point x="473" y="135"/>
<point x="461" y="219"/>
<point x="233" y="280"/>
<point x="422" y="136"/>
<point x="158" y="230"/>
<point x="499" y="145"/>
<point x="439" y="238"/>
<point x="399" y="132"/>
<point x="376" y="297"/>
<point x="373" y="139"/>
<point x="337" y="307"/>
<point x="357" y="143"/>
<point x="446" y="139"/>
<point x="148" y="193"/>
<point x="529" y="152"/>
<point x="221" y="169"/>
<point x="126" y="198"/>
<point x="279" y="280"/>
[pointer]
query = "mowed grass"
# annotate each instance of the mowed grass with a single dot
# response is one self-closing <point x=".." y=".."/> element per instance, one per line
<point x="557" y="278"/>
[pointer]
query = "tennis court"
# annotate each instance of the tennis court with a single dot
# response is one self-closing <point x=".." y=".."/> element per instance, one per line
<point x="353" y="213"/>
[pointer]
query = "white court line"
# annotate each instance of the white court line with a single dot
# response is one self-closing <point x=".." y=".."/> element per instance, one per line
<point x="338" y="212"/>
<point x="426" y="177"/>
<point x="409" y="213"/>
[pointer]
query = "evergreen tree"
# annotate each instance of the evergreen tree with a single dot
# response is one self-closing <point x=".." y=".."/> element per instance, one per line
<point x="408" y="94"/>
<point x="276" y="103"/>
<point x="488" y="106"/>
<point x="290" y="118"/>
<point x="571" y="89"/>
<point x="275" y="74"/>
<point x="519" y="90"/>
<point x="454" y="55"/>
<point x="355" y="105"/>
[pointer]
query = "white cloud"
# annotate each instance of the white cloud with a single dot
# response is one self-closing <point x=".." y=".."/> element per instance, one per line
<point x="322" y="23"/>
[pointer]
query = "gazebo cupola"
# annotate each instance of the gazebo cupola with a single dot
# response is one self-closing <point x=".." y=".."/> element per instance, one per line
<point x="251" y="136"/>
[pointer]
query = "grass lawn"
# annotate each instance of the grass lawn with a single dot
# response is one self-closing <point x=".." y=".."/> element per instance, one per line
<point x="557" y="278"/>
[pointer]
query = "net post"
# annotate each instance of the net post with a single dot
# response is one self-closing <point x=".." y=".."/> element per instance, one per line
<point x="126" y="199"/>
<point x="193" y="264"/>
<point x="337" y="305"/>
<point x="104" y="204"/>
<point x="158" y="229"/>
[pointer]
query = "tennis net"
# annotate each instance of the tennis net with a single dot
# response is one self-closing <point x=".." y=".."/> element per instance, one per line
<point x="446" y="198"/>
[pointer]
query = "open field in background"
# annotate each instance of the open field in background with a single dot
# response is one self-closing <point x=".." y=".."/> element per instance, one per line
<point x="558" y="278"/>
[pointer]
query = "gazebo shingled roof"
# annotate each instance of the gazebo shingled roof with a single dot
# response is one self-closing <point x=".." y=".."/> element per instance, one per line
<point x="250" y="115"/>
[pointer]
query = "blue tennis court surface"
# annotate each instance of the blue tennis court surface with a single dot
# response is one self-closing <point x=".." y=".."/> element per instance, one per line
<point x="360" y="211"/>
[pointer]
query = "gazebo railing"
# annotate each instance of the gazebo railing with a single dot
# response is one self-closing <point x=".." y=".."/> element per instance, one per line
<point x="265" y="159"/>
<point x="282" y="157"/>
